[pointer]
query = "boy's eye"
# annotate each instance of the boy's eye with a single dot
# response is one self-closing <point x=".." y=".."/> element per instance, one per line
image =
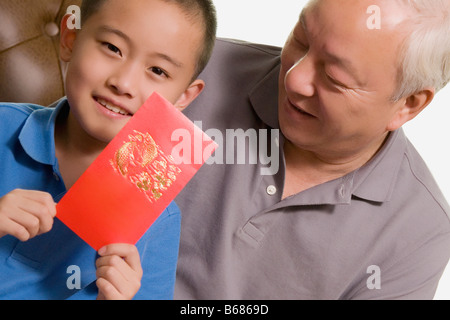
<point x="158" y="71"/>
<point x="112" y="48"/>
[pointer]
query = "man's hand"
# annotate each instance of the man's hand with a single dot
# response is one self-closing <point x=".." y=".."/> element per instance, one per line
<point x="119" y="272"/>
<point x="25" y="214"/>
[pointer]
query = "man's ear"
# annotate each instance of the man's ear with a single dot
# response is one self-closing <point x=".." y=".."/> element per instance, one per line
<point x="189" y="95"/>
<point x="410" y="107"/>
<point x="67" y="39"/>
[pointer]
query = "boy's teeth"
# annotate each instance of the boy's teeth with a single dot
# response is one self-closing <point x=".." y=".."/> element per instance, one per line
<point x="112" y="108"/>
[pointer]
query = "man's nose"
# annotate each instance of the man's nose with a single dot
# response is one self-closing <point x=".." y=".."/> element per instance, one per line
<point x="300" y="77"/>
<point x="125" y="80"/>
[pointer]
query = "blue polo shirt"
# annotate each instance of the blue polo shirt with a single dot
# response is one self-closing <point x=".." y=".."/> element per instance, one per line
<point x="58" y="264"/>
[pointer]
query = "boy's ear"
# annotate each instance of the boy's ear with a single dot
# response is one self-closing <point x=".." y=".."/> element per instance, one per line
<point x="67" y="39"/>
<point x="189" y="95"/>
<point x="411" y="107"/>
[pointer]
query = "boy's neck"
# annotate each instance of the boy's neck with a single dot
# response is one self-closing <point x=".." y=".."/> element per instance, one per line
<point x="75" y="149"/>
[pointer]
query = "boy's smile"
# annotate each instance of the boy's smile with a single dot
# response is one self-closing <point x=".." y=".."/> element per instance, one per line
<point x="123" y="53"/>
<point x="112" y="106"/>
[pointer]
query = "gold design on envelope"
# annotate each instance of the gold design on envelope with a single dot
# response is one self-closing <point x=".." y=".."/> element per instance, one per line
<point x="142" y="162"/>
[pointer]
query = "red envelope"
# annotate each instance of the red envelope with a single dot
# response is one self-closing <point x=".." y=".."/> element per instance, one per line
<point x="135" y="177"/>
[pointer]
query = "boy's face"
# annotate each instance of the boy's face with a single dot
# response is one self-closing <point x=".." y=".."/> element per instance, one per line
<point x="122" y="54"/>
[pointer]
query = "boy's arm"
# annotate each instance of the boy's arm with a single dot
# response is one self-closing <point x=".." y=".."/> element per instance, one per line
<point x="25" y="214"/>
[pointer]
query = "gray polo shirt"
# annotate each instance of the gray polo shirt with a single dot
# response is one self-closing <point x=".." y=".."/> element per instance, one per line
<point x="379" y="232"/>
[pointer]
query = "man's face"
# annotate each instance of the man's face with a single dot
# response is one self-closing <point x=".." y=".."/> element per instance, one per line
<point x="122" y="54"/>
<point x="337" y="78"/>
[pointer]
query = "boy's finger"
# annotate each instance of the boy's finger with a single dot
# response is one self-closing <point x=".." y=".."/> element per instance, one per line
<point x="44" y="198"/>
<point x="113" y="261"/>
<point x="107" y="290"/>
<point x="124" y="281"/>
<point x="127" y="252"/>
<point x="14" y="229"/>
<point x="36" y="216"/>
<point x="28" y="221"/>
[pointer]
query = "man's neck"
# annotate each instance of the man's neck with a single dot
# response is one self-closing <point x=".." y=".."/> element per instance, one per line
<point x="306" y="169"/>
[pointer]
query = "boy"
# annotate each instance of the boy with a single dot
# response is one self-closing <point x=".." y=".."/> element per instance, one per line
<point x="124" y="51"/>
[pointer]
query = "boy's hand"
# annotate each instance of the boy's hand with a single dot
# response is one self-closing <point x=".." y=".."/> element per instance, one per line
<point x="25" y="214"/>
<point x="119" y="272"/>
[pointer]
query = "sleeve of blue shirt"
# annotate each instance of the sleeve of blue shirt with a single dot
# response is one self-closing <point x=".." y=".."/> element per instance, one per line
<point x="159" y="255"/>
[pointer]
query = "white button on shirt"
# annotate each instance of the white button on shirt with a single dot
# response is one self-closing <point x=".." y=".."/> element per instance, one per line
<point x="271" y="190"/>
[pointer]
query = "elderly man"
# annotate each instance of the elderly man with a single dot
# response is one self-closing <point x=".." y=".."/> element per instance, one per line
<point x="352" y="211"/>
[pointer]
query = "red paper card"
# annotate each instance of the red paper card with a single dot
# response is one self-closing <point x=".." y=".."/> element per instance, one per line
<point x="135" y="177"/>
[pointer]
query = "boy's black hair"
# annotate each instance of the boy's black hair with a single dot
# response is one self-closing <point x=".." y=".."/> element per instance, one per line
<point x="193" y="8"/>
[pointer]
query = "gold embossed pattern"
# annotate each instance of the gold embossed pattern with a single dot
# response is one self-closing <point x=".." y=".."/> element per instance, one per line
<point x="142" y="162"/>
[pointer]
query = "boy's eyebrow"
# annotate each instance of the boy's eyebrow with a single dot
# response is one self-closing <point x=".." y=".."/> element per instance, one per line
<point x="169" y="59"/>
<point x="119" y="33"/>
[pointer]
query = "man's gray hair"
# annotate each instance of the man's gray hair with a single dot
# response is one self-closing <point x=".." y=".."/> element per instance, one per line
<point x="425" y="53"/>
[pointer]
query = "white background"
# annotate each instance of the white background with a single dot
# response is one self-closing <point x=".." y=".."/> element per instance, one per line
<point x="271" y="21"/>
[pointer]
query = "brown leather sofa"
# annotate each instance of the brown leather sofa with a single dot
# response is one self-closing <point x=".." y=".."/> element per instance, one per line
<point x="30" y="69"/>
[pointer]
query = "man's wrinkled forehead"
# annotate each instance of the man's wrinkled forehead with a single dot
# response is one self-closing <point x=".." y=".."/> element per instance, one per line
<point x="332" y="11"/>
<point x="388" y="14"/>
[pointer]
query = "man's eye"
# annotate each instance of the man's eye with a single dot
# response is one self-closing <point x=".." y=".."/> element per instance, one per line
<point x="334" y="81"/>
<point x="158" y="71"/>
<point x="300" y="44"/>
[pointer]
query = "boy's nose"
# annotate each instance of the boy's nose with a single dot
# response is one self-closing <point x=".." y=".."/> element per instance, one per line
<point x="124" y="80"/>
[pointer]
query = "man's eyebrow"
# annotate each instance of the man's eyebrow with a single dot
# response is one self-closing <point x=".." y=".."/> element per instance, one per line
<point x="302" y="20"/>
<point x="345" y="64"/>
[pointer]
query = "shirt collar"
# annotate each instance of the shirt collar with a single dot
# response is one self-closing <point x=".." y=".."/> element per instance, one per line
<point x="375" y="181"/>
<point x="38" y="133"/>
<point x="264" y="102"/>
